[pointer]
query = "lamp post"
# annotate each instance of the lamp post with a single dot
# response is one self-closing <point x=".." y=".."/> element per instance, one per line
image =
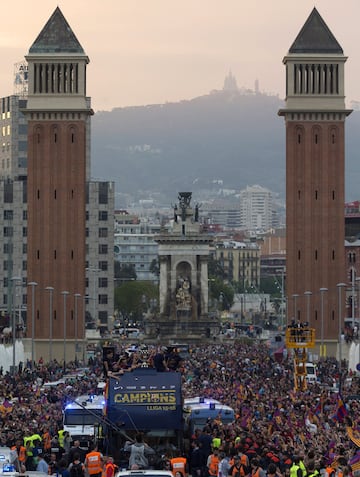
<point x="358" y="300"/>
<point x="14" y="280"/>
<point x="340" y="286"/>
<point x="76" y="296"/>
<point x="322" y="351"/>
<point x="51" y="292"/>
<point x="353" y="278"/>
<point x="308" y="297"/>
<point x="86" y="297"/>
<point x="94" y="271"/>
<point x="295" y="296"/>
<point x="64" y="294"/>
<point x="32" y="285"/>
<point x="282" y="297"/>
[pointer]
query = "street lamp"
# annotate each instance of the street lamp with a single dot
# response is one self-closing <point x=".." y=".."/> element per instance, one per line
<point x="14" y="280"/>
<point x="353" y="278"/>
<point x="282" y="298"/>
<point x="32" y="285"/>
<point x="322" y="351"/>
<point x="51" y="292"/>
<point x="295" y="296"/>
<point x="76" y="296"/>
<point x="340" y="286"/>
<point x="94" y="271"/>
<point x="65" y="294"/>
<point x="308" y="297"/>
<point x="86" y="297"/>
<point x="358" y="301"/>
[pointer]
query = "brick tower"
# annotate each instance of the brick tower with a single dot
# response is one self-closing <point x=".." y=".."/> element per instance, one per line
<point x="315" y="119"/>
<point x="58" y="117"/>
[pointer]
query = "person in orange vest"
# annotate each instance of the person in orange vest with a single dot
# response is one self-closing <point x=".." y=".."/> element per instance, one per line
<point x="46" y="438"/>
<point x="238" y="469"/>
<point x="110" y="467"/>
<point x="256" y="470"/>
<point x="21" y="453"/>
<point x="179" y="464"/>
<point x="213" y="463"/>
<point x="94" y="462"/>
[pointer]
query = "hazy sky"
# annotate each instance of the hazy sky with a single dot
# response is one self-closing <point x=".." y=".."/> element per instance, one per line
<point x="153" y="51"/>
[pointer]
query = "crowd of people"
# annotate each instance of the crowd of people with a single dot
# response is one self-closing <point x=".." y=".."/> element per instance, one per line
<point x="275" y="424"/>
<point x="276" y="428"/>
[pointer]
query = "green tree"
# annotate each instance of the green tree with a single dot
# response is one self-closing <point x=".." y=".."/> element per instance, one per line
<point x="220" y="292"/>
<point x="270" y="286"/>
<point x="124" y="271"/>
<point x="215" y="269"/>
<point x="155" y="267"/>
<point x="133" y="298"/>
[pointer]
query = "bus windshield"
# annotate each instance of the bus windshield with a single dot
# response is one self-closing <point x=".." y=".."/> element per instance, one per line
<point x="82" y="417"/>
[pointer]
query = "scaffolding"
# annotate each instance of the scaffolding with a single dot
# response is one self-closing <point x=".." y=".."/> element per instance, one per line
<point x="21" y="82"/>
<point x="300" y="338"/>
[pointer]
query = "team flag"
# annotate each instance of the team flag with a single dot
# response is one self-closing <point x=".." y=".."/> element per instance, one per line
<point x="354" y="462"/>
<point x="341" y="410"/>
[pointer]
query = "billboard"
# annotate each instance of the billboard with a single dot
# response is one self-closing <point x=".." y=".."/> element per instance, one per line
<point x="145" y="399"/>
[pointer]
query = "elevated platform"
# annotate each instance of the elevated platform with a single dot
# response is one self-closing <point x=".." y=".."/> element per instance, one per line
<point x="300" y="337"/>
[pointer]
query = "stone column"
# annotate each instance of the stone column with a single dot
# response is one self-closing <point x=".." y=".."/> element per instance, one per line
<point x="204" y="283"/>
<point x="163" y="285"/>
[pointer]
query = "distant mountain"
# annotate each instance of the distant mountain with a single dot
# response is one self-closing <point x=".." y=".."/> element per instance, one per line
<point x="224" y="136"/>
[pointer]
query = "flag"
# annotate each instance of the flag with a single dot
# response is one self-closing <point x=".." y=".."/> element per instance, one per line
<point x="354" y="462"/>
<point x="318" y="408"/>
<point x="341" y="410"/>
<point x="7" y="403"/>
<point x="354" y="435"/>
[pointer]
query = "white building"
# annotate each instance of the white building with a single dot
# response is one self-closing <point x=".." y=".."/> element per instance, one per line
<point x="134" y="243"/>
<point x="256" y="208"/>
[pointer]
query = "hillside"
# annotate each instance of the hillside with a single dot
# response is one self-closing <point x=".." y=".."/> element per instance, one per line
<point x="233" y="137"/>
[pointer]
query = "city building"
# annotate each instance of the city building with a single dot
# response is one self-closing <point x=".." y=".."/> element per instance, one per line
<point x="273" y="242"/>
<point x="315" y="116"/>
<point x="256" y="208"/>
<point x="223" y="213"/>
<point x="352" y="220"/>
<point x="99" y="254"/>
<point x="240" y="262"/>
<point x="135" y="244"/>
<point x="13" y="127"/>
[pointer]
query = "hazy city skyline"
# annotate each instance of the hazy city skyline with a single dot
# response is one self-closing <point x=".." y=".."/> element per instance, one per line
<point x="145" y="52"/>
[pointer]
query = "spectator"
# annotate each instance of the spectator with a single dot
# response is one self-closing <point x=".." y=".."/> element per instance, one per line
<point x="42" y="466"/>
<point x="139" y="452"/>
<point x="76" y="467"/>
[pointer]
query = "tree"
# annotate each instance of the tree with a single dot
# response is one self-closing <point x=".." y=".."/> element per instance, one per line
<point x="133" y="298"/>
<point x="221" y="293"/>
<point x="270" y="286"/>
<point x="155" y="267"/>
<point x="124" y="271"/>
<point x="215" y="269"/>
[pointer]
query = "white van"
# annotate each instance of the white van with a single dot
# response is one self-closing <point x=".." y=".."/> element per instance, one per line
<point x="311" y="376"/>
<point x="132" y="332"/>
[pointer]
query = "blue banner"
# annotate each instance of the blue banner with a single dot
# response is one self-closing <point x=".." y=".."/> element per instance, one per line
<point x="144" y="399"/>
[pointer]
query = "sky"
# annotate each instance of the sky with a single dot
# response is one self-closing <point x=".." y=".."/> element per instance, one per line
<point x="156" y="51"/>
